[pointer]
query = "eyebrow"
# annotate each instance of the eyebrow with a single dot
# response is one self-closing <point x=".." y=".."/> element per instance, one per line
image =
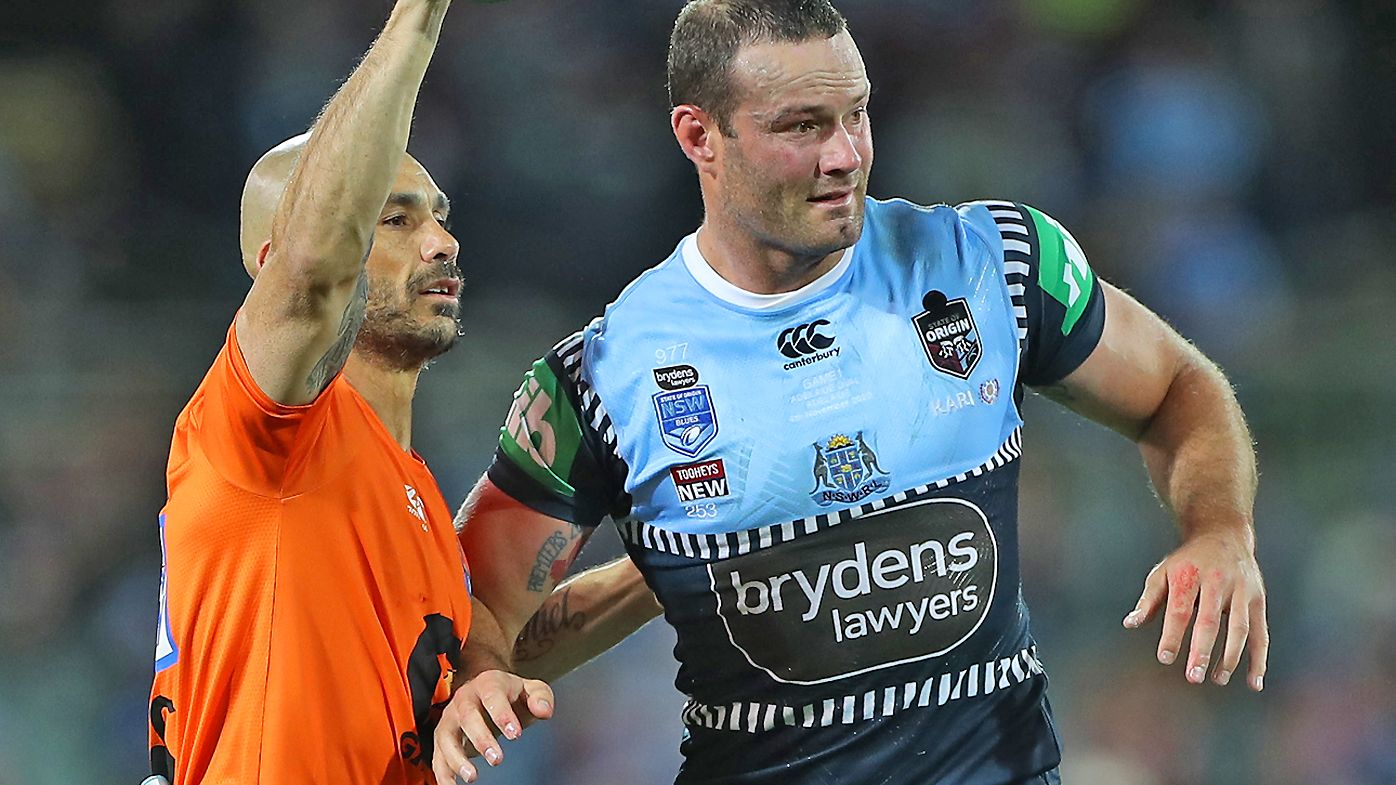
<point x="415" y="199"/>
<point x="810" y="109"/>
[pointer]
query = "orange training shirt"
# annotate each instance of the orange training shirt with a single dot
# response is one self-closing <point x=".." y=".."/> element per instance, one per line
<point x="314" y="597"/>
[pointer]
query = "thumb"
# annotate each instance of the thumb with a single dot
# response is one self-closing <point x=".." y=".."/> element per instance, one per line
<point x="1152" y="598"/>
<point x="540" y="698"/>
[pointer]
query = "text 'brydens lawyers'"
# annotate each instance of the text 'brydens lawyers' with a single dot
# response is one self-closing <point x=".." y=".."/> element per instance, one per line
<point x="858" y="576"/>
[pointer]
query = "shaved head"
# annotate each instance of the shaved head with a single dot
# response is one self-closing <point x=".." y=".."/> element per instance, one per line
<point x="262" y="192"/>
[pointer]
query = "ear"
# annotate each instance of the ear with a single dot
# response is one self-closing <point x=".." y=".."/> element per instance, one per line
<point x="697" y="134"/>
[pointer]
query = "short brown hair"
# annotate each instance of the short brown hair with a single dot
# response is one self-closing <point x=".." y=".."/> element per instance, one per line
<point x="708" y="34"/>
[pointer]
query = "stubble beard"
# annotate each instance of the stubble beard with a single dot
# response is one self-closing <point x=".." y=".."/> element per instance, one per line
<point x="391" y="337"/>
<point x="780" y="216"/>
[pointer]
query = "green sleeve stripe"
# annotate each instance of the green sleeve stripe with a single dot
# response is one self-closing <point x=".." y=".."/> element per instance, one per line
<point x="542" y="434"/>
<point x="1062" y="270"/>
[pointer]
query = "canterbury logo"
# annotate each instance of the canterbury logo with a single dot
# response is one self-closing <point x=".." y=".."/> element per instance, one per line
<point x="804" y="340"/>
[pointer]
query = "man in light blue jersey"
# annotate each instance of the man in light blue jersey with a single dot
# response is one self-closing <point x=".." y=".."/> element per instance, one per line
<point x="805" y="424"/>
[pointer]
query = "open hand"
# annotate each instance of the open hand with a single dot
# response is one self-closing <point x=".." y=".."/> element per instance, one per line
<point x="491" y="704"/>
<point x="1218" y="577"/>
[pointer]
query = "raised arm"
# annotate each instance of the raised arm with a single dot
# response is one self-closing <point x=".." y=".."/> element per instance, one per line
<point x="1146" y="382"/>
<point x="300" y="319"/>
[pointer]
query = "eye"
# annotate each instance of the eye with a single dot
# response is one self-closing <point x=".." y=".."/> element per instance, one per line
<point x="445" y="221"/>
<point x="395" y="220"/>
<point x="860" y="114"/>
<point x="805" y="127"/>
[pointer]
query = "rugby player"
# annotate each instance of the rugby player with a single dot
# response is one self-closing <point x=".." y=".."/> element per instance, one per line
<point x="805" y="424"/>
<point x="313" y="594"/>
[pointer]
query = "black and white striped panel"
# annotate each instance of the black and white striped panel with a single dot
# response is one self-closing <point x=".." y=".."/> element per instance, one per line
<point x="724" y="545"/>
<point x="569" y="352"/>
<point x="981" y="678"/>
<point x="1017" y="255"/>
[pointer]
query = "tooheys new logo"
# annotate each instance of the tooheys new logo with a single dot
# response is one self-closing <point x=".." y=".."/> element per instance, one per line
<point x="865" y="595"/>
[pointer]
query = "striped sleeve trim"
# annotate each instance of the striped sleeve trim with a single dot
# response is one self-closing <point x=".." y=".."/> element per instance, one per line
<point x="981" y="678"/>
<point x="724" y="545"/>
<point x="569" y="353"/>
<point x="1018" y="238"/>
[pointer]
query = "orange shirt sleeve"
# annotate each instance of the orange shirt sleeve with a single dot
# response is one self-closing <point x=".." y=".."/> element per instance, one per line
<point x="246" y="436"/>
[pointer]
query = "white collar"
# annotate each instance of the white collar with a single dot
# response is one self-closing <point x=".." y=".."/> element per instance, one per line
<point x="723" y="289"/>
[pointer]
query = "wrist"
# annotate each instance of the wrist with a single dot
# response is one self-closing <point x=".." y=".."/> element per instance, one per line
<point x="1236" y="531"/>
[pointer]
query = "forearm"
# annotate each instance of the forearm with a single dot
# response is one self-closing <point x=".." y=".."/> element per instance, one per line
<point x="1199" y="454"/>
<point x="585" y="616"/>
<point x="325" y="220"/>
<point x="486" y="647"/>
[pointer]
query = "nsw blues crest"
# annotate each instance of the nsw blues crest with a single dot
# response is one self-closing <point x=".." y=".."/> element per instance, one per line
<point x="846" y="470"/>
<point x="687" y="421"/>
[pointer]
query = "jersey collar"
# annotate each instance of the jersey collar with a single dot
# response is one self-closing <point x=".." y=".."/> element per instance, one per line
<point x="724" y="290"/>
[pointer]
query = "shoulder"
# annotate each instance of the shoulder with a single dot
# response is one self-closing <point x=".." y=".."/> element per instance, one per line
<point x="970" y="225"/>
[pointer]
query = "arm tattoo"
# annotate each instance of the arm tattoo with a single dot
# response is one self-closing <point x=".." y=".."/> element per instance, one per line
<point x="334" y="359"/>
<point x="548" y="555"/>
<point x="542" y="630"/>
<point x="555" y="555"/>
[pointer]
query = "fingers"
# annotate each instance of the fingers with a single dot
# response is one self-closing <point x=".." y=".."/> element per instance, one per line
<point x="1237" y="631"/>
<point x="539" y="698"/>
<point x="479" y="710"/>
<point x="1182" y="597"/>
<point x="1155" y="590"/>
<point x="451" y="760"/>
<point x="1259" y="643"/>
<point x="1204" y="630"/>
<point x="480" y="734"/>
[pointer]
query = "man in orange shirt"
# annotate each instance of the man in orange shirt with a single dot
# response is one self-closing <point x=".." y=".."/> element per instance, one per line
<point x="314" y="598"/>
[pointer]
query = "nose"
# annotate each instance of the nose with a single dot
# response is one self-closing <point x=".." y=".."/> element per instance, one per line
<point x="840" y="156"/>
<point x="438" y="245"/>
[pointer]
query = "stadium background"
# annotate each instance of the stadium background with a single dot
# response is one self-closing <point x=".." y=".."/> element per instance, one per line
<point x="1230" y="162"/>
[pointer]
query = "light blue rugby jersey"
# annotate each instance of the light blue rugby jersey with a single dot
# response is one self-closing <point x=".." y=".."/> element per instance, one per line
<point x="821" y="490"/>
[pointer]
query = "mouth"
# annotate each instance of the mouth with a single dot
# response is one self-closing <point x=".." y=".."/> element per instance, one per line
<point x="838" y="198"/>
<point x="444" y="287"/>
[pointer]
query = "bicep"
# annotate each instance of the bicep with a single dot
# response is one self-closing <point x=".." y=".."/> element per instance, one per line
<point x="516" y="554"/>
<point x="296" y="336"/>
<point x="1125" y="379"/>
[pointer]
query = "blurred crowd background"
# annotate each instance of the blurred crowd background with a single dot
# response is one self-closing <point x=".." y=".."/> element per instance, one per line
<point x="1232" y="162"/>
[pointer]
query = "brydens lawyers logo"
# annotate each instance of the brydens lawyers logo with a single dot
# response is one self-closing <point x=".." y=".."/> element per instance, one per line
<point x="699" y="481"/>
<point x="806" y="344"/>
<point x="687" y="421"/>
<point x="948" y="334"/>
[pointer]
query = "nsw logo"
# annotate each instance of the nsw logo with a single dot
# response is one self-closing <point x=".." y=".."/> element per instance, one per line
<point x="700" y="481"/>
<point x="807" y="344"/>
<point x="687" y="421"/>
<point x="846" y="470"/>
<point x="948" y="334"/>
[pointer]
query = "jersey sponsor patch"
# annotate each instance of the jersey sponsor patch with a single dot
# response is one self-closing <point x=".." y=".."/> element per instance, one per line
<point x="687" y="421"/>
<point x="700" y="481"/>
<point x="948" y="334"/>
<point x="863" y="596"/>
<point x="676" y="377"/>
<point x="846" y="470"/>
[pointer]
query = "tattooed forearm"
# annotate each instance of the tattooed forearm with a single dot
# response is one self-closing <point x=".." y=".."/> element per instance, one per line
<point x="334" y="359"/>
<point x="548" y="554"/>
<point x="542" y="630"/>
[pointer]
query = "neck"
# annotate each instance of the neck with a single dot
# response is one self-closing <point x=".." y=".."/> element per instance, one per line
<point x="388" y="391"/>
<point x="749" y="264"/>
